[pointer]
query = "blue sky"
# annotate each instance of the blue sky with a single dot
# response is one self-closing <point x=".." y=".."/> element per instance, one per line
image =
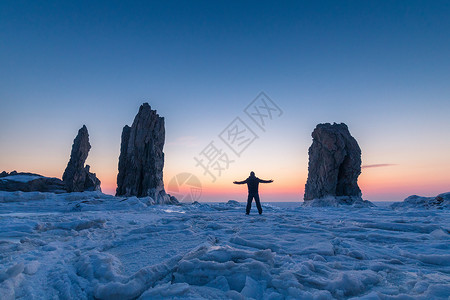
<point x="382" y="67"/>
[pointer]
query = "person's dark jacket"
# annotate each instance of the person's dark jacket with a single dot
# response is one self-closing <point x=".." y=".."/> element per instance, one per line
<point x="253" y="183"/>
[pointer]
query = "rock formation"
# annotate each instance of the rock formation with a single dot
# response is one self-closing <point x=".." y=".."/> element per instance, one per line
<point x="441" y="201"/>
<point x="141" y="159"/>
<point x="334" y="166"/>
<point x="30" y="182"/>
<point x="77" y="177"/>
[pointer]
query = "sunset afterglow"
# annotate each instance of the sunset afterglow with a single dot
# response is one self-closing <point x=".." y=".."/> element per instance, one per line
<point x="387" y="82"/>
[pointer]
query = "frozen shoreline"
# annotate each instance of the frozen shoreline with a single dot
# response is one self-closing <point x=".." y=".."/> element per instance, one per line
<point x="87" y="245"/>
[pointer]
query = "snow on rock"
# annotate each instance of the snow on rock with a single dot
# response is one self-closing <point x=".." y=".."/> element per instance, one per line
<point x="233" y="203"/>
<point x="336" y="201"/>
<point x="21" y="178"/>
<point x="441" y="201"/>
<point x="94" y="246"/>
<point x="30" y="182"/>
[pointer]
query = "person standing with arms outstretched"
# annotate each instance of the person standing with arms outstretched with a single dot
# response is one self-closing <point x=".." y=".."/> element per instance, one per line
<point x="252" y="183"/>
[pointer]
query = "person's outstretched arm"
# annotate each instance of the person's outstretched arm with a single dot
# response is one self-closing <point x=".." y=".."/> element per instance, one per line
<point x="240" y="182"/>
<point x="266" y="181"/>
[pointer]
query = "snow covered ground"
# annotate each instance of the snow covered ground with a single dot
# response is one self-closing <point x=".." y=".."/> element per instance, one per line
<point x="86" y="245"/>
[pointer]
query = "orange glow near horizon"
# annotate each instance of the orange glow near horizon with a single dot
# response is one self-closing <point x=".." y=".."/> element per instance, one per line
<point x="375" y="183"/>
<point x="390" y="183"/>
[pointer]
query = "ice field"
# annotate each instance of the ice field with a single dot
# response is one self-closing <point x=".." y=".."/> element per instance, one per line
<point x="90" y="245"/>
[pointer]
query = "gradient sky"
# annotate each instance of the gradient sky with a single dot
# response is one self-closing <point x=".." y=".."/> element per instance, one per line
<point x="382" y="67"/>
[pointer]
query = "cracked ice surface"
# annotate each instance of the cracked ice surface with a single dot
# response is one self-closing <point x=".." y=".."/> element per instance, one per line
<point x="90" y="245"/>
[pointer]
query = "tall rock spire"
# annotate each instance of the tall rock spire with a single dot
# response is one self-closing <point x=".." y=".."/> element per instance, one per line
<point x="141" y="159"/>
<point x="77" y="177"/>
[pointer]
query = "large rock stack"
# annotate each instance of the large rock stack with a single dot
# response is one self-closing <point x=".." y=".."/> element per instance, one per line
<point x="141" y="159"/>
<point x="77" y="177"/>
<point x="334" y="167"/>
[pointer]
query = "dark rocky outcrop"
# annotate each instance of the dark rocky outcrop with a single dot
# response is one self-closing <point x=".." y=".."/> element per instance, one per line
<point x="441" y="201"/>
<point x="141" y="159"/>
<point x="77" y="177"/>
<point x="30" y="182"/>
<point x="334" y="167"/>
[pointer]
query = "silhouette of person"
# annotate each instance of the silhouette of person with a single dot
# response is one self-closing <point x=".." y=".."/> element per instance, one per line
<point x="252" y="183"/>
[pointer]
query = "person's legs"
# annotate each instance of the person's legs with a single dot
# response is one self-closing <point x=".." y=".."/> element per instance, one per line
<point x="249" y="203"/>
<point x="258" y="204"/>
